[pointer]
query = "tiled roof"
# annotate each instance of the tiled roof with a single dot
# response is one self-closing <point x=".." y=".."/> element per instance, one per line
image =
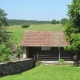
<point x="44" y="38"/>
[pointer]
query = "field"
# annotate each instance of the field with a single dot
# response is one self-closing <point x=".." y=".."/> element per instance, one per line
<point x="48" y="72"/>
<point x="17" y="31"/>
<point x="57" y="72"/>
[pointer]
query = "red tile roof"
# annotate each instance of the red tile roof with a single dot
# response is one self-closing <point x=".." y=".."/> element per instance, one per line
<point x="44" y="38"/>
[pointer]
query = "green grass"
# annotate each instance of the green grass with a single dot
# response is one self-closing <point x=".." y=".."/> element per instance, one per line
<point x="57" y="72"/>
<point x="17" y="31"/>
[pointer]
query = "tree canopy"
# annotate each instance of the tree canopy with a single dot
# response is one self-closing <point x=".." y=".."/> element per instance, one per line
<point x="53" y="21"/>
<point x="5" y="38"/>
<point x="72" y="27"/>
<point x="3" y="19"/>
<point x="63" y="20"/>
<point x="21" y="22"/>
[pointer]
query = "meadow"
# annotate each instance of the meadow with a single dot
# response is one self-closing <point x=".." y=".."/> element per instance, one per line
<point x="17" y="31"/>
<point x="48" y="72"/>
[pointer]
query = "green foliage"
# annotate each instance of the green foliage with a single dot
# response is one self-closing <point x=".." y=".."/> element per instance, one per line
<point x="19" y="51"/>
<point x="3" y="19"/>
<point x="53" y="21"/>
<point x="30" y="22"/>
<point x="63" y="20"/>
<point x="3" y="22"/>
<point x="72" y="27"/>
<point x="74" y="10"/>
<point x="61" y="60"/>
<point x="57" y="22"/>
<point x="37" y="63"/>
<point x="74" y="43"/>
<point x="5" y="38"/>
<point x="25" y="26"/>
<point x="4" y="53"/>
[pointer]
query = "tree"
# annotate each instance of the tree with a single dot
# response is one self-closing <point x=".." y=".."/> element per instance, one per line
<point x="53" y="21"/>
<point x="4" y="53"/>
<point x="25" y="26"/>
<point x="5" y="38"/>
<point x="72" y="28"/>
<point x="3" y="19"/>
<point x="20" y="22"/>
<point x="57" y="22"/>
<point x="63" y="20"/>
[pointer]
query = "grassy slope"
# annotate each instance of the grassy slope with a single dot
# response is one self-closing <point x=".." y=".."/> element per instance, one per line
<point x="17" y="31"/>
<point x="48" y="73"/>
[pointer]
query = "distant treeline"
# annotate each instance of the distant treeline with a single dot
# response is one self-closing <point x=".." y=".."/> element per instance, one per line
<point x="20" y="22"/>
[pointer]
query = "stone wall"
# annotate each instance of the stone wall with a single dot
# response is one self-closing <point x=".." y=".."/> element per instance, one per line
<point x="15" y="67"/>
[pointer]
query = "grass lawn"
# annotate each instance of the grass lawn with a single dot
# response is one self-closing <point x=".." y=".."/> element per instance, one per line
<point x="17" y="31"/>
<point x="57" y="72"/>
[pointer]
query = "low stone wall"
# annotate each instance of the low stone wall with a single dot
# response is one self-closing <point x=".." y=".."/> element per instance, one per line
<point x="15" y="67"/>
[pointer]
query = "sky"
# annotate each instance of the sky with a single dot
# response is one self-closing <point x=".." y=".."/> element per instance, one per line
<point x="45" y="10"/>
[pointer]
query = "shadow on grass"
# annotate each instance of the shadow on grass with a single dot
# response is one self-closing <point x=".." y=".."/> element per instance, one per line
<point x="9" y="32"/>
<point x="75" y="66"/>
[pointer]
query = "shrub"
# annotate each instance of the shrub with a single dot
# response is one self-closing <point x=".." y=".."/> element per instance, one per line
<point x="4" y="53"/>
<point x="19" y="51"/>
<point x="37" y="63"/>
<point x="61" y="60"/>
<point x="25" y="26"/>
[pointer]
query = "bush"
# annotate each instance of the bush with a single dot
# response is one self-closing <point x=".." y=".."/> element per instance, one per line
<point x="25" y="26"/>
<point x="4" y="53"/>
<point x="19" y="51"/>
<point x="61" y="60"/>
<point x="37" y="63"/>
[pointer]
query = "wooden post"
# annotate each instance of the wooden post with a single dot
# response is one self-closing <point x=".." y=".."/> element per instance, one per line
<point x="59" y="53"/>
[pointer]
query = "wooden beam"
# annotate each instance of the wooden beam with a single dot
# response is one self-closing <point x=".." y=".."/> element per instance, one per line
<point x="59" y="53"/>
